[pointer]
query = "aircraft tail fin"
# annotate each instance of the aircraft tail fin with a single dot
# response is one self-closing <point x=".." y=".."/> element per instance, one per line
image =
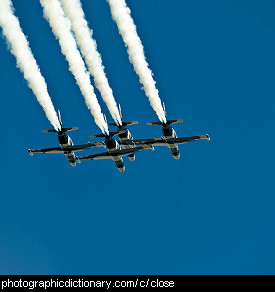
<point x="164" y="109"/>
<point x="120" y="113"/>
<point x="59" y="118"/>
<point x="62" y="129"/>
<point x="123" y="123"/>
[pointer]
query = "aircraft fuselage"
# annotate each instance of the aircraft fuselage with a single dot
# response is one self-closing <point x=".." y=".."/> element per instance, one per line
<point x="65" y="140"/>
<point x="126" y="136"/>
<point x="169" y="133"/>
<point x="112" y="144"/>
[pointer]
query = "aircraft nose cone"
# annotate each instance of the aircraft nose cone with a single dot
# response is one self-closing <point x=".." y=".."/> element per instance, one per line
<point x="132" y="158"/>
<point x="177" y="157"/>
<point x="122" y="169"/>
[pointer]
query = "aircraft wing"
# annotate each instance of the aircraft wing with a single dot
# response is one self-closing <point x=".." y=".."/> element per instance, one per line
<point x="83" y="146"/>
<point x="110" y="154"/>
<point x="140" y="141"/>
<point x="163" y="142"/>
<point x="104" y="155"/>
<point x="124" y="152"/>
<point x="67" y="148"/>
<point x="46" y="150"/>
<point x="183" y="140"/>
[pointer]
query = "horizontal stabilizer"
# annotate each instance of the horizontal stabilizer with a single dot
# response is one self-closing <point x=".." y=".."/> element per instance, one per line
<point x="129" y="123"/>
<point x="112" y="124"/>
<point x="123" y="124"/>
<point x="169" y="122"/>
<point x="69" y="129"/>
<point x="116" y="132"/>
<point x="49" y="131"/>
<point x="154" y="123"/>
<point x="98" y="136"/>
<point x="110" y="134"/>
<point x="63" y="130"/>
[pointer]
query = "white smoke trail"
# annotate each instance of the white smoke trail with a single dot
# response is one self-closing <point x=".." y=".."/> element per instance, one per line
<point x="122" y="15"/>
<point x="88" y="47"/>
<point x="19" y="47"/>
<point x="61" y="28"/>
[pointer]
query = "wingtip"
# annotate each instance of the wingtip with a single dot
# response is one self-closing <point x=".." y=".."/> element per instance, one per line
<point x="207" y="137"/>
<point x="30" y="152"/>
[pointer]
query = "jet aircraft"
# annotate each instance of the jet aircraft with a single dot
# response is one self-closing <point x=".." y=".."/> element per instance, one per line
<point x="114" y="151"/>
<point x="67" y="146"/>
<point x="124" y="135"/>
<point x="169" y="138"/>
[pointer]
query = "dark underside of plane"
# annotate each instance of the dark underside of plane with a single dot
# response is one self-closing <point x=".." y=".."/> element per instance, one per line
<point x="125" y="146"/>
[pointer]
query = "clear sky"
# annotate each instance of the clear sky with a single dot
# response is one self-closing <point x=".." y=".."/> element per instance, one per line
<point x="211" y="212"/>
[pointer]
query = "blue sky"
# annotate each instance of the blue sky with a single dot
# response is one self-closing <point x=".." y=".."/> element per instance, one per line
<point x="211" y="212"/>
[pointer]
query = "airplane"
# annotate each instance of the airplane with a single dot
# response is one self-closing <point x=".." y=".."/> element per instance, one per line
<point x="169" y="139"/>
<point x="67" y="146"/>
<point x="124" y="134"/>
<point x="114" y="151"/>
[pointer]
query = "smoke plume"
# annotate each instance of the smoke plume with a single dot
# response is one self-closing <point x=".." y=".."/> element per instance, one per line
<point x="61" y="28"/>
<point x="88" y="47"/>
<point x="19" y="47"/>
<point x="122" y="16"/>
